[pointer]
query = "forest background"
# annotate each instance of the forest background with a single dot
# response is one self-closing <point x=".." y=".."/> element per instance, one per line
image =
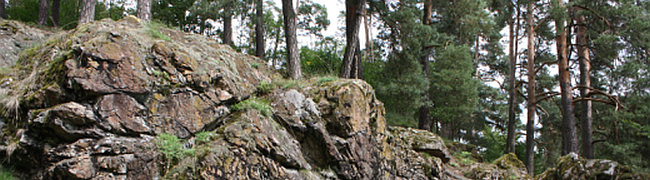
<point x="539" y="78"/>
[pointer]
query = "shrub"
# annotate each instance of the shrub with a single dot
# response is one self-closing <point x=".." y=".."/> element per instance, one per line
<point x="172" y="147"/>
<point x="263" y="106"/>
<point x="265" y="87"/>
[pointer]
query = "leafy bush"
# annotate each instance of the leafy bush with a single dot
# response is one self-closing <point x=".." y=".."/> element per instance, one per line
<point x="262" y="105"/>
<point x="172" y="147"/>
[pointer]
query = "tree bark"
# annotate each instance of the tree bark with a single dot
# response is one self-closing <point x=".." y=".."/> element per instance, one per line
<point x="144" y="10"/>
<point x="569" y="135"/>
<point x="227" y="24"/>
<point x="424" y="121"/>
<point x="43" y="12"/>
<point x="586" y="117"/>
<point x="512" y="99"/>
<point x="3" y="14"/>
<point x="259" y="30"/>
<point x="351" y="59"/>
<point x="56" y="9"/>
<point x="532" y="107"/>
<point x="290" y="34"/>
<point x="87" y="11"/>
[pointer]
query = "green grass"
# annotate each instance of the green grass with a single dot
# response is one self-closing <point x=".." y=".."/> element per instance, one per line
<point x="154" y="30"/>
<point x="262" y="105"/>
<point x="205" y="136"/>
<point x="326" y="79"/>
<point x="255" y="65"/>
<point x="6" y="174"/>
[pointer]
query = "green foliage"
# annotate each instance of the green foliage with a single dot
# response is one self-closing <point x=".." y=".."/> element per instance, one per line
<point x="397" y="119"/>
<point x="171" y="12"/>
<point x="172" y="147"/>
<point x="288" y="84"/>
<point x="326" y="79"/>
<point x="204" y="137"/>
<point x="262" y="105"/>
<point x="154" y="30"/>
<point x="265" y="87"/>
<point x="6" y="174"/>
<point x="27" y="11"/>
<point x="464" y="157"/>
<point x="320" y="61"/>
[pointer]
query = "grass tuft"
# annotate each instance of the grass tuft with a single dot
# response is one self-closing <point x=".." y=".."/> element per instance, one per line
<point x="263" y="106"/>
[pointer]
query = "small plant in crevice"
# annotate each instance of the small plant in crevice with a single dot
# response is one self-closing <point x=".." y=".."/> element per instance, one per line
<point x="172" y="148"/>
<point x="255" y="65"/>
<point x="326" y="79"/>
<point x="154" y="30"/>
<point x="464" y="157"/>
<point x="262" y="105"/>
<point x="204" y="137"/>
<point x="265" y="88"/>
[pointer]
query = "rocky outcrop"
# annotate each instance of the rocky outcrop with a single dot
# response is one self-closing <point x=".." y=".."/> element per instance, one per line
<point x="506" y="167"/>
<point x="573" y="167"/>
<point x="130" y="100"/>
<point x="16" y="37"/>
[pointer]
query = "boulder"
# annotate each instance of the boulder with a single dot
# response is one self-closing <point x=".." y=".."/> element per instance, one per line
<point x="572" y="166"/>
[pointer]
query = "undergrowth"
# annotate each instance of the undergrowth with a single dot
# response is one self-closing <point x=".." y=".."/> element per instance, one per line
<point x="262" y="105"/>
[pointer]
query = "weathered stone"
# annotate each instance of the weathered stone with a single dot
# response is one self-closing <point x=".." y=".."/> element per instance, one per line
<point x="423" y="141"/>
<point x="122" y="114"/>
<point x="69" y="122"/>
<point x="573" y="166"/>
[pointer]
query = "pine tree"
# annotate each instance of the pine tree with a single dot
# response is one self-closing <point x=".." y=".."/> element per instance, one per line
<point x="569" y="132"/>
<point x="2" y="9"/>
<point x="293" y="56"/>
<point x="424" y="121"/>
<point x="259" y="29"/>
<point x="512" y="96"/>
<point x="532" y="104"/>
<point x="352" y="65"/>
<point x="87" y="11"/>
<point x="144" y="10"/>
<point x="43" y="12"/>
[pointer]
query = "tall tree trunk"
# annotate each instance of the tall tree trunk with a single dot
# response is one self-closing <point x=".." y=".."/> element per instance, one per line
<point x="259" y="30"/>
<point x="3" y="14"/>
<point x="290" y="35"/>
<point x="569" y="135"/>
<point x="424" y="121"/>
<point x="43" y="11"/>
<point x="512" y="94"/>
<point x="353" y="10"/>
<point x="530" y="125"/>
<point x="586" y="117"/>
<point x="144" y="10"/>
<point x="87" y="11"/>
<point x="227" y="25"/>
<point x="56" y="10"/>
